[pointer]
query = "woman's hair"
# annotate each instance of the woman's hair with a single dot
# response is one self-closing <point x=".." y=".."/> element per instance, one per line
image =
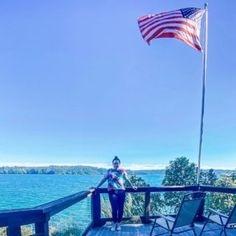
<point x="116" y="159"/>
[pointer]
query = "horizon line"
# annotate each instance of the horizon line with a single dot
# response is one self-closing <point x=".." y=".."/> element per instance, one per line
<point x="101" y="165"/>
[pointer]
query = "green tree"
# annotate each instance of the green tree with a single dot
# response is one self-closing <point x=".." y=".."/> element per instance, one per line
<point x="222" y="201"/>
<point x="183" y="172"/>
<point x="208" y="177"/>
<point x="179" y="172"/>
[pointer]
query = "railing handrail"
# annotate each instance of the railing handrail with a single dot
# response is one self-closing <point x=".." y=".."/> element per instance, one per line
<point x="41" y="214"/>
<point x="205" y="188"/>
<point x="156" y="189"/>
<point x="216" y="189"/>
<point x="96" y="202"/>
<point x="49" y="209"/>
<point x="22" y="216"/>
<point x="60" y="204"/>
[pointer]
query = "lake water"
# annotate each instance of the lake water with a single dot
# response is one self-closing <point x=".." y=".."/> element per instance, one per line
<point x="20" y="191"/>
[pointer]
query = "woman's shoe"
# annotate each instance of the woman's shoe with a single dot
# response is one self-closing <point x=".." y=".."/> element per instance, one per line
<point x="113" y="227"/>
<point x="118" y="227"/>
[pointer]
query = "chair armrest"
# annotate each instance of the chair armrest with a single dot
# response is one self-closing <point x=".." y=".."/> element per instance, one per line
<point x="169" y="218"/>
<point x="217" y="213"/>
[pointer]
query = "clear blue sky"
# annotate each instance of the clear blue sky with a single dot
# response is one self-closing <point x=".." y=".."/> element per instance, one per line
<point x="79" y="85"/>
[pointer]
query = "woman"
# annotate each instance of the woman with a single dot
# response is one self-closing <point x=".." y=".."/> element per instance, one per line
<point x="116" y="178"/>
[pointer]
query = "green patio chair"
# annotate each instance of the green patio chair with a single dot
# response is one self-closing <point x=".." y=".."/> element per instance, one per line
<point x="225" y="222"/>
<point x="184" y="220"/>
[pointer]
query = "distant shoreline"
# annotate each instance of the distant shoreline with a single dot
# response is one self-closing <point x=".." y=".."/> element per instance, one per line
<point x="63" y="170"/>
<point x="81" y="170"/>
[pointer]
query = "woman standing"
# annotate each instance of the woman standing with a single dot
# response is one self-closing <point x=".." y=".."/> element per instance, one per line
<point x="116" y="178"/>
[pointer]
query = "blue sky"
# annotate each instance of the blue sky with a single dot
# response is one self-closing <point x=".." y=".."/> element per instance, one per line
<point x="79" y="85"/>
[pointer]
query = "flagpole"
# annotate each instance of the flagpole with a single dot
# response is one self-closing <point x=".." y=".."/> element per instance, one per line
<point x="203" y="91"/>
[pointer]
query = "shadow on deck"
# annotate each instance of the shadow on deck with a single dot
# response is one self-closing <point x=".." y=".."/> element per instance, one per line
<point x="144" y="229"/>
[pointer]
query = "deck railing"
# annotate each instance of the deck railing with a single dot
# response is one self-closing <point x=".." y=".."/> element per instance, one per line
<point x="96" y="199"/>
<point x="40" y="215"/>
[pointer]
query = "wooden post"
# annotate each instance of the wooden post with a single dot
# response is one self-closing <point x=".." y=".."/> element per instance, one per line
<point x="42" y="228"/>
<point x="13" y="230"/>
<point x="200" y="215"/>
<point x="147" y="199"/>
<point x="96" y="209"/>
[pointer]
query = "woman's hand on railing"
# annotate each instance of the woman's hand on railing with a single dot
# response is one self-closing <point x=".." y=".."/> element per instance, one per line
<point x="92" y="189"/>
<point x="134" y="188"/>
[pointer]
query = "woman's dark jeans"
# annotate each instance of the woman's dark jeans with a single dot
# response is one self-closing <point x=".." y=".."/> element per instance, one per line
<point x="117" y="200"/>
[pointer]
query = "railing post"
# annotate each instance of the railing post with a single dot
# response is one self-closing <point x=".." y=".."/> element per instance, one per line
<point x="42" y="228"/>
<point x="13" y="230"/>
<point x="200" y="215"/>
<point x="96" y="209"/>
<point x="147" y="198"/>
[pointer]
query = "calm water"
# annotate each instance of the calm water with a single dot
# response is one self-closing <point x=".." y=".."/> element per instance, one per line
<point x="17" y="191"/>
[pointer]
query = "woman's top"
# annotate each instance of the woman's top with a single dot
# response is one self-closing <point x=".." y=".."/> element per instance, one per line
<point x="116" y="179"/>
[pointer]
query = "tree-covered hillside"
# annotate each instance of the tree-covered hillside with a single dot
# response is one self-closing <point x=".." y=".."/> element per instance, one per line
<point x="63" y="170"/>
<point x="82" y="170"/>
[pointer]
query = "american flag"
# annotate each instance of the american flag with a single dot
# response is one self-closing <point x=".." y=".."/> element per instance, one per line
<point x="183" y="24"/>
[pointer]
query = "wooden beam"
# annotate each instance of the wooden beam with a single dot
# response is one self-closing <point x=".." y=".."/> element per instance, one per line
<point x="156" y="189"/>
<point x="56" y="206"/>
<point x="42" y="228"/>
<point x="96" y="209"/>
<point x="19" y="217"/>
<point x="13" y="230"/>
<point x="215" y="189"/>
<point x="147" y="199"/>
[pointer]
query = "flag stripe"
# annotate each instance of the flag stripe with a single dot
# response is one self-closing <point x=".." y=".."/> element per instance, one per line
<point x="189" y="26"/>
<point x="158" y="21"/>
<point x="150" y="20"/>
<point x="151" y="16"/>
<point x="178" y="36"/>
<point x="160" y="30"/>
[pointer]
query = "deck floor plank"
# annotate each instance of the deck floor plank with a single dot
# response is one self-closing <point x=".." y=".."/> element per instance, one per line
<point x="142" y="230"/>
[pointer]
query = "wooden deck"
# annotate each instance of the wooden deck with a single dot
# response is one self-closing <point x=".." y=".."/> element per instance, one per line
<point x="143" y="230"/>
